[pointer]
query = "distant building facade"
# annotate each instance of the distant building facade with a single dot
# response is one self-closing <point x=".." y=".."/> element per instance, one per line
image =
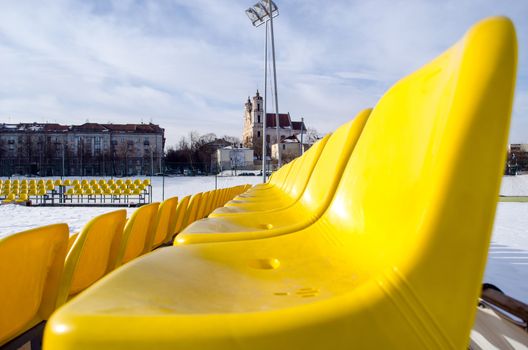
<point x="233" y="158"/>
<point x="289" y="149"/>
<point x="90" y="149"/>
<point x="253" y="126"/>
<point x="517" y="158"/>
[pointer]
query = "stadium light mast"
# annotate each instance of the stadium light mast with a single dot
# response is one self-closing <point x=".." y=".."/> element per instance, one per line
<point x="263" y="12"/>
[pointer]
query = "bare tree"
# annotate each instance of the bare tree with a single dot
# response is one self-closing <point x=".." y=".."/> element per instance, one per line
<point x="312" y="135"/>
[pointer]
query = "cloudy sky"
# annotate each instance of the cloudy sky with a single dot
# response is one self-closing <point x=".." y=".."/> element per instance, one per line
<point x="190" y="65"/>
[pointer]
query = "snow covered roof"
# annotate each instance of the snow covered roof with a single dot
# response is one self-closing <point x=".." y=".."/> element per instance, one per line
<point x="86" y="127"/>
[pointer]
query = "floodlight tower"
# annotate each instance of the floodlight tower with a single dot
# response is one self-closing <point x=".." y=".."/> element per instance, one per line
<point x="263" y="12"/>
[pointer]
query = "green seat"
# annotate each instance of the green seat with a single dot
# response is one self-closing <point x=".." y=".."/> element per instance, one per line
<point x="302" y="213"/>
<point x="395" y="262"/>
<point x="31" y="265"/>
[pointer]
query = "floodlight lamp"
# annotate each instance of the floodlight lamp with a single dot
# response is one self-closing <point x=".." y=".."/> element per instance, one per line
<point x="265" y="3"/>
<point x="260" y="10"/>
<point x="253" y="17"/>
<point x="259" y="13"/>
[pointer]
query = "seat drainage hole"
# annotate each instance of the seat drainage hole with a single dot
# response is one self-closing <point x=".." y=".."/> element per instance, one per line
<point x="307" y="292"/>
<point x="265" y="264"/>
<point x="281" y="294"/>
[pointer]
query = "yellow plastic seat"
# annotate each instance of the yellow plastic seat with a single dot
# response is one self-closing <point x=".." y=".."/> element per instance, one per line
<point x="177" y="220"/>
<point x="277" y="179"/>
<point x="162" y="232"/>
<point x="23" y="197"/>
<point x="202" y="205"/>
<point x="67" y="182"/>
<point x="58" y="182"/>
<point x="314" y="201"/>
<point x="395" y="262"/>
<point x="10" y="198"/>
<point x="290" y="192"/>
<point x="212" y="203"/>
<point x="291" y="169"/>
<point x="146" y="182"/>
<point x="138" y="233"/>
<point x="93" y="254"/>
<point x="192" y="210"/>
<point x="31" y="264"/>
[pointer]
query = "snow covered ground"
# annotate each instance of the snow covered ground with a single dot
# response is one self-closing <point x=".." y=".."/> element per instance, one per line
<point x="507" y="261"/>
<point x="15" y="218"/>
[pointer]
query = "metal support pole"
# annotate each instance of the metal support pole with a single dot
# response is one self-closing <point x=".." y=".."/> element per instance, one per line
<point x="302" y="131"/>
<point x="270" y="9"/>
<point x="151" y="162"/>
<point x="264" y="148"/>
<point x="62" y="161"/>
<point x="163" y="184"/>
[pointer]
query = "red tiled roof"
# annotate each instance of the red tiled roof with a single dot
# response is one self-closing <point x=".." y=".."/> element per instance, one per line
<point x="297" y="126"/>
<point x="139" y="128"/>
<point x="284" y="120"/>
<point x="89" y="127"/>
<point x="55" y="128"/>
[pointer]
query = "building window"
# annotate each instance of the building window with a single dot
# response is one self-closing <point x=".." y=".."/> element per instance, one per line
<point x="268" y="138"/>
<point x="258" y="119"/>
<point x="283" y="146"/>
<point x="258" y="134"/>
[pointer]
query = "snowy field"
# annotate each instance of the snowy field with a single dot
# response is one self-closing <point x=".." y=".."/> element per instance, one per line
<point x="15" y="218"/>
<point x="507" y="261"/>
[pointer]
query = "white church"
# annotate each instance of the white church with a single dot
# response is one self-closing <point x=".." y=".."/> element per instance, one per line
<point x="288" y="130"/>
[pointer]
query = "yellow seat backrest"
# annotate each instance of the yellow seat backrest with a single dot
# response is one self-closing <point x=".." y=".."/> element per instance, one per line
<point x="93" y="253"/>
<point x="413" y="216"/>
<point x="206" y="196"/>
<point x="176" y="221"/>
<point x="138" y="233"/>
<point x="166" y="211"/>
<point x="302" y="169"/>
<point x="192" y="210"/>
<point x="31" y="264"/>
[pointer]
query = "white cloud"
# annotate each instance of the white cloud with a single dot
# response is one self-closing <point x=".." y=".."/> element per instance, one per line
<point x="191" y="64"/>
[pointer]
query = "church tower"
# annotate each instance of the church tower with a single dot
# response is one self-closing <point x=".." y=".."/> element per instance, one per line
<point x="253" y="119"/>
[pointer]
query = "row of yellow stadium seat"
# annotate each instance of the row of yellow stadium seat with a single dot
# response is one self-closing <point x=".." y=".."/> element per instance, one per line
<point x="375" y="238"/>
<point x="43" y="267"/>
<point x="107" y="186"/>
<point x="70" y="182"/>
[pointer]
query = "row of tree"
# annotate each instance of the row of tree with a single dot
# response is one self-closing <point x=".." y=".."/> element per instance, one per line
<point x="194" y="153"/>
